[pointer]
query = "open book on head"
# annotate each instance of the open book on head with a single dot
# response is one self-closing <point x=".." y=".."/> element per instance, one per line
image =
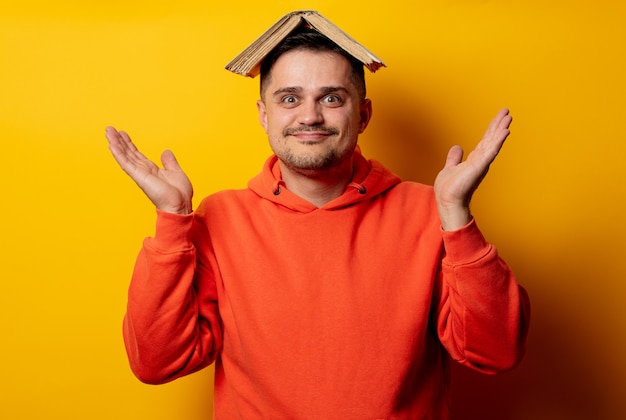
<point x="248" y="62"/>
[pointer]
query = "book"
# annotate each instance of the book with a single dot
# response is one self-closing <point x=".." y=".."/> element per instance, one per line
<point x="248" y="62"/>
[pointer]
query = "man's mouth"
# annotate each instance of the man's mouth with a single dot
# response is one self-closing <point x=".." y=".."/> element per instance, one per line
<point x="310" y="132"/>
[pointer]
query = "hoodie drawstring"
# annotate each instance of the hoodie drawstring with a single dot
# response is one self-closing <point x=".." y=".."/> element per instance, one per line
<point x="276" y="187"/>
<point x="359" y="187"/>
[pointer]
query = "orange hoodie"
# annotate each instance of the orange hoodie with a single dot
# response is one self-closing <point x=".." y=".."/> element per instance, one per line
<point x="348" y="311"/>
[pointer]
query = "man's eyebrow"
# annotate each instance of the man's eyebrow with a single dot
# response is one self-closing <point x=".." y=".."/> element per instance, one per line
<point x="296" y="89"/>
<point x="331" y="89"/>
<point x="288" y="89"/>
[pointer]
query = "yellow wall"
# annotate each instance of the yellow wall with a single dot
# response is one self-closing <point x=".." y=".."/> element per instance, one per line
<point x="71" y="222"/>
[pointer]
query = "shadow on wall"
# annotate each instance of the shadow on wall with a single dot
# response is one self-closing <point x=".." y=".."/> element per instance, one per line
<point x="574" y="368"/>
<point x="561" y="376"/>
<point x="402" y="135"/>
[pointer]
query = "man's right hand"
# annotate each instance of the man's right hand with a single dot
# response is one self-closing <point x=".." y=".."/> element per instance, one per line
<point x="168" y="188"/>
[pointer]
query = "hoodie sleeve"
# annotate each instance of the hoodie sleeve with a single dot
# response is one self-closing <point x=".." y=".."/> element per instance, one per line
<point x="171" y="326"/>
<point x="483" y="313"/>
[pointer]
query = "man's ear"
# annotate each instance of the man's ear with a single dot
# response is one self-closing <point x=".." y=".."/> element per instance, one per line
<point x="260" y="105"/>
<point x="365" y="111"/>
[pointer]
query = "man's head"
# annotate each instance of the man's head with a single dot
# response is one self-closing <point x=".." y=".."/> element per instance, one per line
<point x="313" y="107"/>
<point x="310" y="40"/>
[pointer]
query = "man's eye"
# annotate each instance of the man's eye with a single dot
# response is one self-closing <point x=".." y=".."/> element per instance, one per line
<point x="290" y="99"/>
<point x="331" y="99"/>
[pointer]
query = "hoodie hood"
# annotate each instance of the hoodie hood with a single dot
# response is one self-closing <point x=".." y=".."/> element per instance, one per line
<point x="370" y="179"/>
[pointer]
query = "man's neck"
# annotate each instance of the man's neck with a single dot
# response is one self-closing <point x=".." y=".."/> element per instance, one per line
<point x="318" y="187"/>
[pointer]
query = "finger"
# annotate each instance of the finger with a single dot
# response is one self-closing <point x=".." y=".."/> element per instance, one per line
<point x="502" y="129"/>
<point x="120" y="141"/>
<point x="130" y="160"/>
<point x="127" y="141"/>
<point x="455" y="156"/>
<point x="506" y="121"/>
<point x="131" y="148"/>
<point x="169" y="161"/>
<point x="110" y="131"/>
<point x="502" y="113"/>
<point x="496" y="134"/>
<point x="501" y="121"/>
<point x="112" y="136"/>
<point x="117" y="145"/>
<point x="133" y="155"/>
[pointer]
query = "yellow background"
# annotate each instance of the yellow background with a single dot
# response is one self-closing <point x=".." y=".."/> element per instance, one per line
<point x="71" y="222"/>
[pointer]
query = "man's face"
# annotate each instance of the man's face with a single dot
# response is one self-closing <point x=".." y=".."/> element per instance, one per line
<point x="311" y="111"/>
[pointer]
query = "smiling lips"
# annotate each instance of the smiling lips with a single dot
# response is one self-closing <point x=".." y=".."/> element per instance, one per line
<point x="310" y="133"/>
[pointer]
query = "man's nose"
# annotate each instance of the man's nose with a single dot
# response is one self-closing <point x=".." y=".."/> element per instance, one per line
<point x="310" y="113"/>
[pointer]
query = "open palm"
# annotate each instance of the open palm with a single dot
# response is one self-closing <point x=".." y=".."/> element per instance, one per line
<point x="457" y="181"/>
<point x="168" y="187"/>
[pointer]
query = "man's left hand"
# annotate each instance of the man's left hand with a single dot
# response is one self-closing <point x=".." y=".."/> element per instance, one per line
<point x="458" y="180"/>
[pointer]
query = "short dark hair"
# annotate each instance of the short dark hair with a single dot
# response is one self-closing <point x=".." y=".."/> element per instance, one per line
<point x="303" y="38"/>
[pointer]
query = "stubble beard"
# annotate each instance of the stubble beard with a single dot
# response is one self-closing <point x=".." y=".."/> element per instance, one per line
<point x="311" y="163"/>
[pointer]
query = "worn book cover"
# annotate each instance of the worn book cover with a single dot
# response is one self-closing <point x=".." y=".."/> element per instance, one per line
<point x="248" y="62"/>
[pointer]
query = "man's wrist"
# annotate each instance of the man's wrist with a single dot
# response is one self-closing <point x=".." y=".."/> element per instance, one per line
<point x="182" y="211"/>
<point x="454" y="218"/>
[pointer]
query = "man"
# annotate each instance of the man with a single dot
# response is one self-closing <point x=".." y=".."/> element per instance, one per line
<point x="328" y="288"/>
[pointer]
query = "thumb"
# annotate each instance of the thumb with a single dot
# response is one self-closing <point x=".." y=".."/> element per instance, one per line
<point x="169" y="161"/>
<point x="455" y="156"/>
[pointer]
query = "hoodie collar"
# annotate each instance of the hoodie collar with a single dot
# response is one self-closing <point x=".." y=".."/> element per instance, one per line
<point x="370" y="179"/>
